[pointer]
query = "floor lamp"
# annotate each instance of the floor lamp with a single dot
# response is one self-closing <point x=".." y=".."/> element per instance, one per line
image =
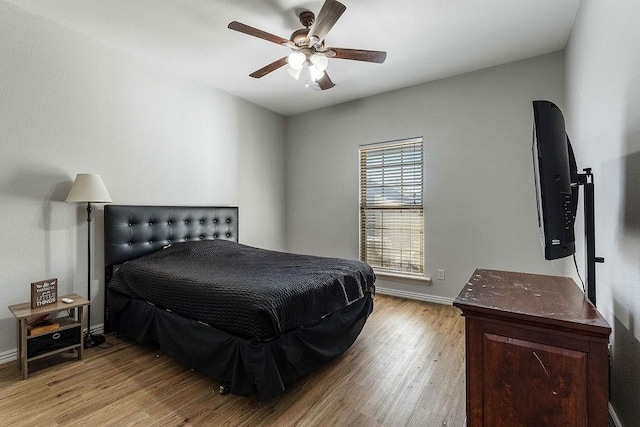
<point x="88" y="188"/>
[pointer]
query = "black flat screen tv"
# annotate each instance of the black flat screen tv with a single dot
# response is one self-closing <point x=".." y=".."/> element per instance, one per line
<point x="556" y="179"/>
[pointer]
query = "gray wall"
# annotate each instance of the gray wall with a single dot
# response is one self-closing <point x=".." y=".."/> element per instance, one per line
<point x="480" y="208"/>
<point x="603" y="120"/>
<point x="70" y="104"/>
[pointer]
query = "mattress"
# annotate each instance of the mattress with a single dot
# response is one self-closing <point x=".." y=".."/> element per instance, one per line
<point x="244" y="291"/>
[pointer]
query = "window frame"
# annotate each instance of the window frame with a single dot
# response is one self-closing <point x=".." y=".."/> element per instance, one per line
<point x="405" y="265"/>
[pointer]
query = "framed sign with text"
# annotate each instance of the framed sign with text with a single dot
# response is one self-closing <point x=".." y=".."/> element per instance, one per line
<point x="44" y="292"/>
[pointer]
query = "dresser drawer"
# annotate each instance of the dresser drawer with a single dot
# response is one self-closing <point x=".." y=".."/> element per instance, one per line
<point x="53" y="341"/>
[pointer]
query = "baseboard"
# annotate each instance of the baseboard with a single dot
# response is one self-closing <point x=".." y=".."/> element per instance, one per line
<point x="613" y="417"/>
<point x="97" y="329"/>
<point x="8" y="356"/>
<point x="414" y="295"/>
<point x="12" y="355"/>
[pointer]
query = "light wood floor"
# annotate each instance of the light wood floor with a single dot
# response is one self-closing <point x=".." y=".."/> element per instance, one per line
<point x="406" y="368"/>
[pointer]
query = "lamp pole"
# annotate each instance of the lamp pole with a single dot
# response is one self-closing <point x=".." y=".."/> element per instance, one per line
<point x="89" y="188"/>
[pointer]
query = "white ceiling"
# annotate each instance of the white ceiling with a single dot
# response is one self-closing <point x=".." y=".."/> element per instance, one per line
<point x="425" y="40"/>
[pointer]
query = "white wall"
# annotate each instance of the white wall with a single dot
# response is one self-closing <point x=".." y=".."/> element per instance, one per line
<point x="70" y="104"/>
<point x="603" y="120"/>
<point x="480" y="203"/>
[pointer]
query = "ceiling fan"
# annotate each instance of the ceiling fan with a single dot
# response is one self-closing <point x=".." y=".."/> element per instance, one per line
<point x="308" y="48"/>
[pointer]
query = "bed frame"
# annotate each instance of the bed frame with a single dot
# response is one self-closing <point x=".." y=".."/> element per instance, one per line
<point x="243" y="365"/>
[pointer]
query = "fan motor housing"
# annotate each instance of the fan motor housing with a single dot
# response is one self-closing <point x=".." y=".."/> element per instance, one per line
<point x="307" y="18"/>
<point x="299" y="37"/>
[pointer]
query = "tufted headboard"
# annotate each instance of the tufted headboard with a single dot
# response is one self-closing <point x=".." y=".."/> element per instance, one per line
<point x="133" y="231"/>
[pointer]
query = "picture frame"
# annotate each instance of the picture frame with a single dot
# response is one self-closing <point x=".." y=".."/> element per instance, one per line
<point x="44" y="292"/>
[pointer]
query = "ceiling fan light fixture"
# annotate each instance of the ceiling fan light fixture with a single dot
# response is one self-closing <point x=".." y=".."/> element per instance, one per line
<point x="312" y="76"/>
<point x="294" y="73"/>
<point x="320" y="61"/>
<point x="315" y="73"/>
<point x="296" y="60"/>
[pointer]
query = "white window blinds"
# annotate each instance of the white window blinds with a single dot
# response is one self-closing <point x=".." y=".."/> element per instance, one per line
<point x="391" y="206"/>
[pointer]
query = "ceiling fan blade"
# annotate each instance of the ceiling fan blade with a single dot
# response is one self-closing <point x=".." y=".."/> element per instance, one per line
<point x="243" y="28"/>
<point x="358" y="54"/>
<point x="325" y="82"/>
<point x="269" y="68"/>
<point x="326" y="19"/>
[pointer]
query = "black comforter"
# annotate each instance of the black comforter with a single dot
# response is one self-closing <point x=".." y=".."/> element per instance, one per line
<point x="245" y="291"/>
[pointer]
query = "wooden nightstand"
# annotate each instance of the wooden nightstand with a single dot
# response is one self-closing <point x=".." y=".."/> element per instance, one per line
<point x="67" y="336"/>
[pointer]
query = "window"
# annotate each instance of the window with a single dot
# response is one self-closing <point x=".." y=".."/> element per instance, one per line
<point x="391" y="208"/>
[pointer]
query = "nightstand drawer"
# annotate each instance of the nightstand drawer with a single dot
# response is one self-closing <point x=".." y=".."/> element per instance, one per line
<point x="53" y="341"/>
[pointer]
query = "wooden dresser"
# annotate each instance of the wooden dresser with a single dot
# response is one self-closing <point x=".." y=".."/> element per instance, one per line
<point x="536" y="352"/>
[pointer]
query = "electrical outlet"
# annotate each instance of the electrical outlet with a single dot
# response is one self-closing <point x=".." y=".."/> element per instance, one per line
<point x="440" y="274"/>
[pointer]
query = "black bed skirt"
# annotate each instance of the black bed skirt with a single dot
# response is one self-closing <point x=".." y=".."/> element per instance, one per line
<point x="242" y="363"/>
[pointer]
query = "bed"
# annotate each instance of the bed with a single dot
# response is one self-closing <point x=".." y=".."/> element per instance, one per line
<point x="254" y="319"/>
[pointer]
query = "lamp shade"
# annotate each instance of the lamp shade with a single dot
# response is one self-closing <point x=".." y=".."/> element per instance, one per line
<point x="88" y="187"/>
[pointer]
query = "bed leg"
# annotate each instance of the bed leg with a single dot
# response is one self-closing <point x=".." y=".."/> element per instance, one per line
<point x="224" y="389"/>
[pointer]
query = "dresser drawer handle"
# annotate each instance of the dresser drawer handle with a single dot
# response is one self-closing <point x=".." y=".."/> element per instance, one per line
<point x="56" y="335"/>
